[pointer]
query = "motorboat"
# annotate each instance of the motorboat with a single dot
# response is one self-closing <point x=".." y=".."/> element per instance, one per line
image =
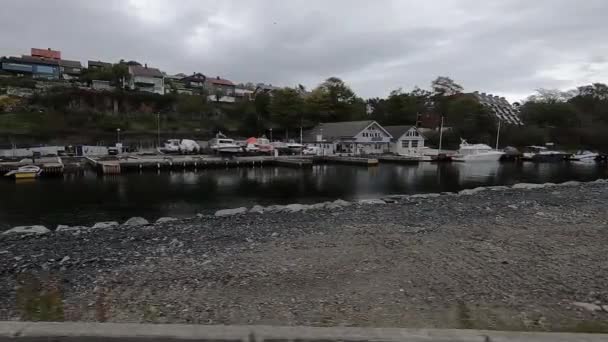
<point x="584" y="156"/>
<point x="294" y="147"/>
<point x="223" y="145"/>
<point x="476" y="152"/>
<point x="264" y="145"/>
<point x="180" y="146"/>
<point x="23" y="172"/>
<point x="542" y="154"/>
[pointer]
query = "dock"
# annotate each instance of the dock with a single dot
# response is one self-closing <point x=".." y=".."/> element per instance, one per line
<point x="398" y="159"/>
<point x="346" y="160"/>
<point x="51" y="166"/>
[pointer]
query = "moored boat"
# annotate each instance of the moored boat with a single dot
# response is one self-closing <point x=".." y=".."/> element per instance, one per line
<point x="25" y="172"/>
<point x="476" y="152"/>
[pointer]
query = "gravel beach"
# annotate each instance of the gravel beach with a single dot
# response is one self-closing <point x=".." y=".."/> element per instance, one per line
<point x="521" y="258"/>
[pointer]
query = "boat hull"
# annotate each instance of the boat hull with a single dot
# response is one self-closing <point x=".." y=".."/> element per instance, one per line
<point x="481" y="157"/>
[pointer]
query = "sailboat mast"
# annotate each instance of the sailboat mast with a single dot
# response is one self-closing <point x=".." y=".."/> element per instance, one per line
<point x="498" y="134"/>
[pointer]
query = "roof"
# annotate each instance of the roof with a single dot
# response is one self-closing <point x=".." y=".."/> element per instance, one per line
<point x="196" y="77"/>
<point x="221" y="81"/>
<point x="397" y="131"/>
<point x="334" y="130"/>
<point x="138" y="70"/>
<point x="99" y="64"/>
<point x="36" y="60"/>
<point x="70" y="64"/>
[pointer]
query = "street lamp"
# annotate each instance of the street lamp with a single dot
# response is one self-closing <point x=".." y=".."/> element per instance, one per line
<point x="118" y="135"/>
<point x="270" y="134"/>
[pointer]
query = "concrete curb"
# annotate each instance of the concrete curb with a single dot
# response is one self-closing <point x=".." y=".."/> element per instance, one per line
<point x="49" y="331"/>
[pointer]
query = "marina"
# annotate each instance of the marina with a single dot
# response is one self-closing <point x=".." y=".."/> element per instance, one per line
<point x="86" y="197"/>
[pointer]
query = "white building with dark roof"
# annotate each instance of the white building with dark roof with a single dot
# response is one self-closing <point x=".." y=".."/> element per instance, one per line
<point x="146" y="79"/>
<point x="406" y="141"/>
<point x="350" y="137"/>
<point x="499" y="107"/>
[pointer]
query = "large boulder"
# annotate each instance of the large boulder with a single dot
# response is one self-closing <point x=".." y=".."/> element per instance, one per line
<point x="34" y="230"/>
<point x="136" y="222"/>
<point x="569" y="183"/>
<point x="105" y="225"/>
<point x="274" y="208"/>
<point x="341" y="203"/>
<point x="322" y="205"/>
<point x="70" y="229"/>
<point x="468" y="192"/>
<point x="294" y="208"/>
<point x="166" y="219"/>
<point x="528" y="186"/>
<point x="431" y="195"/>
<point x="230" y="212"/>
<point x="257" y="209"/>
<point x="371" y="201"/>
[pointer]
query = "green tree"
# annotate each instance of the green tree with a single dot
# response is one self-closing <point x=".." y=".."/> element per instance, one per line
<point x="287" y="108"/>
<point x="332" y="101"/>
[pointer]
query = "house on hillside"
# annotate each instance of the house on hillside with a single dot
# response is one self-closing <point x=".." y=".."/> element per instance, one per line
<point x="406" y="141"/>
<point x="220" y="90"/>
<point x="97" y="65"/>
<point x="350" y="137"/>
<point x="70" y="69"/>
<point x="35" y="67"/>
<point x="146" y="79"/>
<point x="196" y="80"/>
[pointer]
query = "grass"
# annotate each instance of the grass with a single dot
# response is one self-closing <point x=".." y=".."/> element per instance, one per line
<point x="39" y="300"/>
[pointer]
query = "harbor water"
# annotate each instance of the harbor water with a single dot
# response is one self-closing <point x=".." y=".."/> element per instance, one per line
<point x="84" y="199"/>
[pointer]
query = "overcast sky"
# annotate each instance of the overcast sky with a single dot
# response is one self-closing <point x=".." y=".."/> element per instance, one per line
<point x="507" y="47"/>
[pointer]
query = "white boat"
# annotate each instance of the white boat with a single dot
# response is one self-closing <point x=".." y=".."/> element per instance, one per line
<point x="584" y="156"/>
<point x="294" y="147"/>
<point x="221" y="144"/>
<point x="542" y="154"/>
<point x="476" y="152"/>
<point x="28" y="171"/>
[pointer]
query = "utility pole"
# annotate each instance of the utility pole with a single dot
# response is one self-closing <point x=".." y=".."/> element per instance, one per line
<point x="440" y="136"/>
<point x="158" y="129"/>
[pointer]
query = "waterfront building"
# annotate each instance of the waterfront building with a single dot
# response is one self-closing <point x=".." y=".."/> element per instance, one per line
<point x="349" y="137"/>
<point x="406" y="141"/>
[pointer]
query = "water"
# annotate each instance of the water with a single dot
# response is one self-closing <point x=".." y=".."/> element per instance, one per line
<point x="86" y="199"/>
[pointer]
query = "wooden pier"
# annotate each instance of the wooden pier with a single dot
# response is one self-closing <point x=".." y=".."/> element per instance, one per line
<point x="51" y="166"/>
<point x="398" y="159"/>
<point x="346" y="160"/>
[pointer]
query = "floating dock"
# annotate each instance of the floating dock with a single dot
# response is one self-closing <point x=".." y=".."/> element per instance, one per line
<point x="346" y="160"/>
<point x="51" y="166"/>
<point x="399" y="159"/>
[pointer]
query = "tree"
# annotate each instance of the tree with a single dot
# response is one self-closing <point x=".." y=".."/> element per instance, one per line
<point x="286" y="108"/>
<point x="334" y="101"/>
<point x="551" y="96"/>
<point x="445" y="86"/>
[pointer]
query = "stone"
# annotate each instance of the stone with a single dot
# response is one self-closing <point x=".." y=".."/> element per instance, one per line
<point x="64" y="260"/>
<point x="569" y="183"/>
<point x="468" y="192"/>
<point x="294" y="208"/>
<point x="588" y="306"/>
<point x="257" y="209"/>
<point x="600" y="181"/>
<point x="431" y="195"/>
<point x="372" y="201"/>
<point x="274" y="208"/>
<point x="548" y="185"/>
<point x="34" y="230"/>
<point x="341" y="203"/>
<point x="528" y="186"/>
<point x="321" y="205"/>
<point x="71" y="229"/>
<point x="105" y="225"/>
<point x="136" y="222"/>
<point x="166" y="219"/>
<point x="230" y="212"/>
<point x="275" y="234"/>
<point x="497" y="188"/>
<point x="389" y="200"/>
<point x="513" y="206"/>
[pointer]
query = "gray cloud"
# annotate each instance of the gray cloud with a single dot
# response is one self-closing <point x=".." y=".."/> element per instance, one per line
<point x="509" y="47"/>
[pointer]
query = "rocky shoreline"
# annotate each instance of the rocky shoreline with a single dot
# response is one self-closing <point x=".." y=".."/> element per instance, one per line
<point x="528" y="257"/>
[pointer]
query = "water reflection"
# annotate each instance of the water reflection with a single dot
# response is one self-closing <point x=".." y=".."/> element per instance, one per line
<point x="87" y="198"/>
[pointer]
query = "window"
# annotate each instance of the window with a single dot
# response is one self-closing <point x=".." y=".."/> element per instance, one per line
<point x="405" y="143"/>
<point x="415" y="143"/>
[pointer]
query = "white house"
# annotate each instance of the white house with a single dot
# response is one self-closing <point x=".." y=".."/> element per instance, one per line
<point x="407" y="140"/>
<point x="146" y="79"/>
<point x="350" y="137"/>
